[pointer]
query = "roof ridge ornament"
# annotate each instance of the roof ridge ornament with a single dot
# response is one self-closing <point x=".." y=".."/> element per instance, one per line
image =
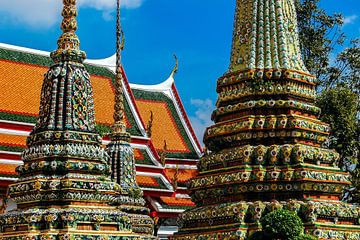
<point x="176" y="67"/>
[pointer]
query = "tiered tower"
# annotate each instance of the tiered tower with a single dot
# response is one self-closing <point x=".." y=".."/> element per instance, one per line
<point x="64" y="190"/>
<point x="121" y="153"/>
<point x="267" y="149"/>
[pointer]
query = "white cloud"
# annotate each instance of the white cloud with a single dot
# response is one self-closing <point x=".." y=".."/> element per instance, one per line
<point x="45" y="13"/>
<point x="350" y="19"/>
<point x="109" y="4"/>
<point x="202" y="118"/>
<point x="35" y="13"/>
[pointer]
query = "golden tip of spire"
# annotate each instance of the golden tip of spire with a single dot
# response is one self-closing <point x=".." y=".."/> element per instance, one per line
<point x="68" y="42"/>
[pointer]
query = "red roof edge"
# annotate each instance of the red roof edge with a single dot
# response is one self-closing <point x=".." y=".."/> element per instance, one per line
<point x="127" y="85"/>
<point x="183" y="112"/>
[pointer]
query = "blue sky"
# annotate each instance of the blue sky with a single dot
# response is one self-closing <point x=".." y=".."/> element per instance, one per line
<point x="198" y="31"/>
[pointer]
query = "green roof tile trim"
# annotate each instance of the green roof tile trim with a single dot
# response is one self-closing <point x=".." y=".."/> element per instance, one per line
<point x="156" y="96"/>
<point x="14" y="176"/>
<point x="146" y="160"/>
<point x="17" y="117"/>
<point x="46" y="61"/>
<point x="30" y="58"/>
<point x="161" y="184"/>
<point x="134" y="130"/>
<point x="11" y="148"/>
<point x="164" y="206"/>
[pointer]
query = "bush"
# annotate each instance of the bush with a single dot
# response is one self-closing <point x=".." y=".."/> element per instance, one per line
<point x="282" y="224"/>
<point x="257" y="236"/>
<point x="305" y="237"/>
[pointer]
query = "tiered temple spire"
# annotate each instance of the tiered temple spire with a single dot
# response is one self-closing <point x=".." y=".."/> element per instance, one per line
<point x="64" y="190"/>
<point x="267" y="146"/>
<point x="121" y="153"/>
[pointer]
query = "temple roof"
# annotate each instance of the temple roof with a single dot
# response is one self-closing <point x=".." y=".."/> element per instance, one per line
<point x="18" y="63"/>
<point x="22" y="70"/>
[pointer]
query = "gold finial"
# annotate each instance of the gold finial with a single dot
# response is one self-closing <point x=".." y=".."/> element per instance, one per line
<point x="68" y="43"/>
<point x="176" y="178"/>
<point x="150" y="124"/>
<point x="163" y="154"/>
<point x="176" y="67"/>
<point x="119" y="127"/>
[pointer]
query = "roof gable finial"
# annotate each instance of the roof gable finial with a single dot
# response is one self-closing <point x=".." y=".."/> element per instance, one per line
<point x="176" y="67"/>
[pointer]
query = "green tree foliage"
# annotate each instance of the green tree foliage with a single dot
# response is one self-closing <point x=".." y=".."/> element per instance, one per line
<point x="282" y="224"/>
<point x="305" y="237"/>
<point x="319" y="34"/>
<point x="340" y="109"/>
<point x="346" y="70"/>
<point x="321" y="39"/>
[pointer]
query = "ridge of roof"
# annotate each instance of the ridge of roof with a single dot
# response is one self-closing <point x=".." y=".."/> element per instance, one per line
<point x="164" y="86"/>
<point x="108" y="62"/>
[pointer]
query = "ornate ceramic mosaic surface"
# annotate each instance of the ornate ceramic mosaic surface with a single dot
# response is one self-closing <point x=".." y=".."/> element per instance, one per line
<point x="122" y="155"/>
<point x="64" y="190"/>
<point x="267" y="148"/>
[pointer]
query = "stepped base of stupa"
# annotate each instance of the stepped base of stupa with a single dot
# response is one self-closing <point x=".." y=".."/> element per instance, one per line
<point x="238" y="220"/>
<point x="95" y="223"/>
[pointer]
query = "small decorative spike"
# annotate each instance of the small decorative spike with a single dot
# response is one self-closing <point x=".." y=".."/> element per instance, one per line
<point x="163" y="154"/>
<point x="176" y="178"/>
<point x="119" y="127"/>
<point x="176" y="67"/>
<point x="150" y="124"/>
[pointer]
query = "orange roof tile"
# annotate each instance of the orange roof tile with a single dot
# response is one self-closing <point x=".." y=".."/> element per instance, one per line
<point x="172" y="201"/>
<point x="14" y="77"/>
<point x="12" y="140"/>
<point x="23" y="82"/>
<point x="104" y="97"/>
<point x="163" y="129"/>
<point x="184" y="174"/>
<point x="147" y="181"/>
<point x="8" y="169"/>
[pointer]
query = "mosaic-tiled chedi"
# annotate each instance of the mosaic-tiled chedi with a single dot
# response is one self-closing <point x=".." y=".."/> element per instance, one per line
<point x="64" y="190"/>
<point x="122" y="159"/>
<point x="267" y="149"/>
